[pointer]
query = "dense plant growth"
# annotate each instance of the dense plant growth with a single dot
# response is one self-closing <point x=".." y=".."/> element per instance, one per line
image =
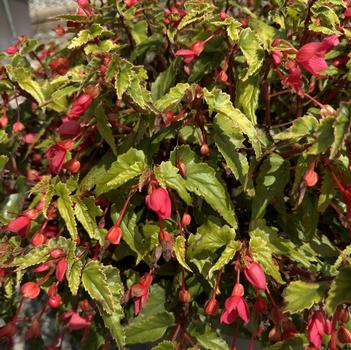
<point x="179" y="173"/>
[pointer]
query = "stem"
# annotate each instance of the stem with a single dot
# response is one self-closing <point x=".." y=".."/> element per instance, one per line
<point x="120" y="218"/>
<point x="266" y="95"/>
<point x="217" y="284"/>
<point x="304" y="35"/>
<point x="320" y="105"/>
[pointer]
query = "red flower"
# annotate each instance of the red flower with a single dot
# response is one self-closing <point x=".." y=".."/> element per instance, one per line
<point x="75" y="321"/>
<point x="60" y="31"/>
<point x="9" y="330"/>
<point x="56" y="155"/>
<point x="140" y="292"/>
<point x="80" y="105"/>
<point x="347" y="12"/>
<point x="235" y="306"/>
<point x="20" y="225"/>
<point x="277" y="56"/>
<point x="17" y="127"/>
<point x="311" y="55"/>
<point x="130" y="3"/>
<point x="30" y="290"/>
<point x="84" y="8"/>
<point x="38" y="238"/>
<point x="255" y="275"/>
<point x="60" y="65"/>
<point x="318" y="326"/>
<point x="69" y="129"/>
<point x="11" y="50"/>
<point x="114" y="235"/>
<point x="158" y="201"/>
<point x="294" y="79"/>
<point x="195" y="50"/>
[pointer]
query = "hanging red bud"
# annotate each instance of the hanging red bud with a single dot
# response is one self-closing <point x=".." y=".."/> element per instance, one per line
<point x="344" y="335"/>
<point x="38" y="239"/>
<point x="17" y="127"/>
<point x="205" y="150"/>
<point x="60" y="31"/>
<point x="211" y="307"/>
<point x="114" y="235"/>
<point x="182" y="168"/>
<point x="186" y="219"/>
<point x="255" y="275"/>
<point x="184" y="296"/>
<point x="164" y="236"/>
<point x="54" y="301"/>
<point x="30" y="290"/>
<point x="311" y="177"/>
<point x="61" y="268"/>
<point x="342" y="314"/>
<point x="72" y="165"/>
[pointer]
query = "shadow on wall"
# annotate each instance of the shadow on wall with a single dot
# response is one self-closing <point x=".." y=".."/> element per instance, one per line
<point x="14" y="20"/>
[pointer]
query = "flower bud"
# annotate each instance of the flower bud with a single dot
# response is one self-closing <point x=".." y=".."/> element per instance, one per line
<point x="114" y="235"/>
<point x="41" y="268"/>
<point x="310" y="178"/>
<point x="205" y="150"/>
<point x="255" y="275"/>
<point x="327" y="111"/>
<point x="238" y="290"/>
<point x="11" y="50"/>
<point x="30" y="290"/>
<point x="72" y="166"/>
<point x="54" y="301"/>
<point x="57" y="253"/>
<point x="182" y="168"/>
<point x="211" y="307"/>
<point x="164" y="236"/>
<point x="61" y="268"/>
<point x="186" y="219"/>
<point x="38" y="239"/>
<point x="342" y="314"/>
<point x="17" y="127"/>
<point x="60" y="31"/>
<point x="344" y="335"/>
<point x="184" y="296"/>
<point x="52" y="290"/>
<point x="92" y="90"/>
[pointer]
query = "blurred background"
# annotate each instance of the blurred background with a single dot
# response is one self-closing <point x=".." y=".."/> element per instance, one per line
<point x="33" y="18"/>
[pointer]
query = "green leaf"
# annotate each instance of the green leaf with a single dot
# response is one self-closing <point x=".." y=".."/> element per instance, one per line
<point x="74" y="271"/>
<point x="94" y="339"/>
<point x="3" y="160"/>
<point x="301" y="127"/>
<point x="86" y="35"/>
<point x="203" y="181"/>
<point x="207" y="337"/>
<point x="104" y="128"/>
<point x="123" y="77"/>
<point x="179" y="249"/>
<point x="113" y="321"/>
<point x="23" y="77"/>
<point x="87" y="220"/>
<point x="247" y="93"/>
<point x="263" y="255"/>
<point x="226" y="256"/>
<point x="233" y="27"/>
<point x="168" y="176"/>
<point x="271" y="181"/>
<point x="173" y="97"/>
<point x="219" y="102"/>
<point x="229" y="139"/>
<point x="341" y="129"/>
<point x="164" y="81"/>
<point x="297" y="342"/>
<point x="264" y="31"/>
<point x="324" y="138"/>
<point x="95" y="283"/>
<point x="209" y="237"/>
<point x="252" y="50"/>
<point x="165" y="345"/>
<point x="339" y="292"/>
<point x="144" y="330"/>
<point x="36" y="255"/>
<point x="65" y="208"/>
<point x="300" y="295"/>
<point x="102" y="47"/>
<point x="126" y="167"/>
